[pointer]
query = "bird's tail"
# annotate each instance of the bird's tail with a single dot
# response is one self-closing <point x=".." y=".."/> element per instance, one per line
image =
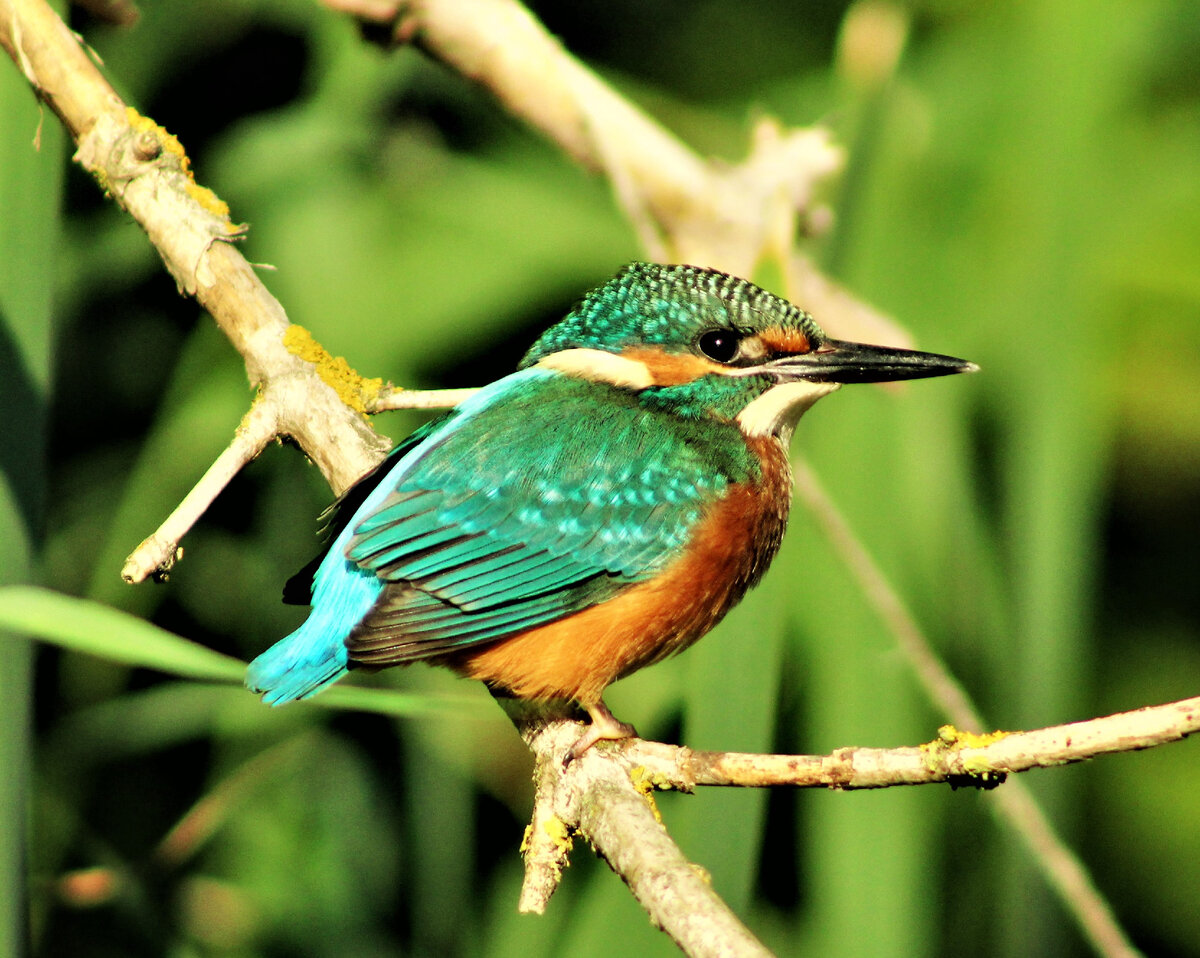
<point x="298" y="666"/>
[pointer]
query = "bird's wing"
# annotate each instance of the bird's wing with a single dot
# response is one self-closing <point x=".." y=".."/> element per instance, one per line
<point x="298" y="590"/>
<point x="539" y="504"/>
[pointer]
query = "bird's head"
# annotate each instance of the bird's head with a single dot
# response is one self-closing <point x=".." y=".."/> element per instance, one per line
<point x="704" y="343"/>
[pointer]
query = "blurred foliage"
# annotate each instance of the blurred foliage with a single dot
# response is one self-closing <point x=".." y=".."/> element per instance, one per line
<point x="30" y="188"/>
<point x="1024" y="191"/>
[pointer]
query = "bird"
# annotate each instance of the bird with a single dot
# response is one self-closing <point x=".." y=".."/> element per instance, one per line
<point x="592" y="513"/>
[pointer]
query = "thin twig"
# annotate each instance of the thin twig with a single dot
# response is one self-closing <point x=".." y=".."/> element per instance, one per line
<point x="145" y="170"/>
<point x="371" y="11"/>
<point x="1065" y="873"/>
<point x="196" y="827"/>
<point x="602" y="797"/>
<point x="838" y="310"/>
<point x="121" y="13"/>
<point x="687" y="208"/>
<point x="419" y="399"/>
<point x="943" y="689"/>
<point x="961" y="758"/>
<point x="157" y="554"/>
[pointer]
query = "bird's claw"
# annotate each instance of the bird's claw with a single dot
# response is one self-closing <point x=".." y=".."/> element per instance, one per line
<point x="604" y="727"/>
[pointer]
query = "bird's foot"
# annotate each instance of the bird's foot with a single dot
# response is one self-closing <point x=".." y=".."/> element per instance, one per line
<point x="604" y="727"/>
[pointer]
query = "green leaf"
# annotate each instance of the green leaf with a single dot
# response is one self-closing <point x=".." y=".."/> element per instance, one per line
<point x="358" y="698"/>
<point x="85" y="626"/>
<point x="82" y="625"/>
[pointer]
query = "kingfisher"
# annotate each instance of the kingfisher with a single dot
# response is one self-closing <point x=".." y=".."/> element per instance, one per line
<point x="594" y="512"/>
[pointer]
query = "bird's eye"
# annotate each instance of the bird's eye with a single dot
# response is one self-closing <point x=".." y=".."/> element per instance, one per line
<point x="719" y="344"/>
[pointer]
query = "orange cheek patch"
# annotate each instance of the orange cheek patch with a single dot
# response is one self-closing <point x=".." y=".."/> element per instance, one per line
<point x="780" y="340"/>
<point x="673" y="369"/>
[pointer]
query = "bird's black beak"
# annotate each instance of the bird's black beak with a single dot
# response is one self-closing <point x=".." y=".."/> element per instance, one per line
<point x="834" y="361"/>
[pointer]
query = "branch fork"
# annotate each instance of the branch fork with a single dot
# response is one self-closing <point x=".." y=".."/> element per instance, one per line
<point x="603" y="797"/>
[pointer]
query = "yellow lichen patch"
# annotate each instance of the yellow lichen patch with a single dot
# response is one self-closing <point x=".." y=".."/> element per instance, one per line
<point x="246" y="417"/>
<point x="952" y="737"/>
<point x="170" y="144"/>
<point x="354" y="390"/>
<point x="557" y="829"/>
<point x="644" y="783"/>
<point x="209" y="200"/>
<point x="978" y="772"/>
<point x="101" y="176"/>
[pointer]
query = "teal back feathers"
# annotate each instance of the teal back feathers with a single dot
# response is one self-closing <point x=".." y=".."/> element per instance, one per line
<point x="504" y="534"/>
<point x="473" y="532"/>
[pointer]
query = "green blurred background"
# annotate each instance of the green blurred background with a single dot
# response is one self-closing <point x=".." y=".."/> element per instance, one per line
<point x="1024" y="192"/>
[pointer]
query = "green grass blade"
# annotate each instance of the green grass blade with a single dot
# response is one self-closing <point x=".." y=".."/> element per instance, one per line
<point x="30" y="198"/>
<point x="95" y="629"/>
<point x="358" y="698"/>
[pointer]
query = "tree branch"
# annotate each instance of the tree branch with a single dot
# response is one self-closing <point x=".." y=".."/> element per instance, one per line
<point x="605" y="799"/>
<point x="960" y="758"/>
<point x="157" y="554"/>
<point x="146" y="171"/>
<point x="1015" y="805"/>
<point x="686" y="208"/>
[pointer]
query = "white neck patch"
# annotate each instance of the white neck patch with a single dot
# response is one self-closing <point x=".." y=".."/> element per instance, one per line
<point x="599" y="366"/>
<point x="776" y="411"/>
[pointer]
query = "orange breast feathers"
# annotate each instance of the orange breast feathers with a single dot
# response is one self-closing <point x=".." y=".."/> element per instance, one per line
<point x="577" y="657"/>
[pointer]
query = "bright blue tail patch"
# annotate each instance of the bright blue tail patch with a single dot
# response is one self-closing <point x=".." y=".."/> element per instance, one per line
<point x="314" y="656"/>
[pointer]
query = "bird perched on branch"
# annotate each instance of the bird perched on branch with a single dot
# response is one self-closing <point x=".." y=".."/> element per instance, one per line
<point x="594" y="512"/>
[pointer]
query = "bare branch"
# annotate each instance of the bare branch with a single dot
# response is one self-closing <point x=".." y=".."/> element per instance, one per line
<point x="836" y="308"/>
<point x="146" y="171"/>
<point x="943" y="689"/>
<point x="122" y="13"/>
<point x="393" y="398"/>
<point x="157" y="554"/>
<point x="1065" y="872"/>
<point x="605" y="799"/>
<point x="961" y="758"/>
<point x="686" y="208"/>
<point x="370" y="11"/>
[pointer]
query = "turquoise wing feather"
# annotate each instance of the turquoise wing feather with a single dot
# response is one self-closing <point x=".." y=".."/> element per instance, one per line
<point x="548" y="502"/>
<point x="298" y="590"/>
<point x="531" y="501"/>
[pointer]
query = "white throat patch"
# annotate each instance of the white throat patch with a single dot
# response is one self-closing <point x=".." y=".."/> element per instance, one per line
<point x="776" y="411"/>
